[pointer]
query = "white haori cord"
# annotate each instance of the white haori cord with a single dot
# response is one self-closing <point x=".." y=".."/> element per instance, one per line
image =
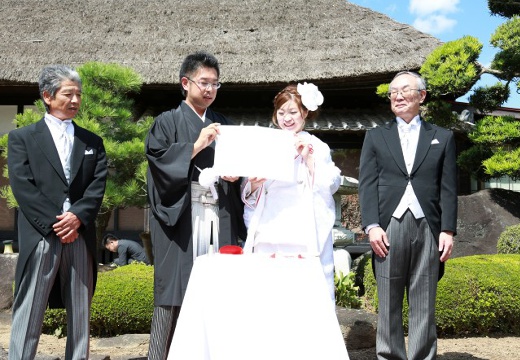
<point x="204" y="215"/>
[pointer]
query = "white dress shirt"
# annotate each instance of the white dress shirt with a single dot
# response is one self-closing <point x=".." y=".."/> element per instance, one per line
<point x="62" y="132"/>
<point x="409" y="135"/>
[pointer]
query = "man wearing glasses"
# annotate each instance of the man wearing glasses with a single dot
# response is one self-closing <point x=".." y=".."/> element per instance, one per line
<point x="408" y="199"/>
<point x="186" y="217"/>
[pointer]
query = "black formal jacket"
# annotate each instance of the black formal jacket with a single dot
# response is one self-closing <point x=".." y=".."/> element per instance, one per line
<point x="39" y="185"/>
<point x="383" y="176"/>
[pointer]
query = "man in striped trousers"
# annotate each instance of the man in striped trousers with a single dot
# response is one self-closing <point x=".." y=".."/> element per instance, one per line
<point x="57" y="171"/>
<point x="408" y="199"/>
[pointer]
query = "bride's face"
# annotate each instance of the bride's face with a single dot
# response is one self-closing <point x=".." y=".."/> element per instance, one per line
<point x="289" y="117"/>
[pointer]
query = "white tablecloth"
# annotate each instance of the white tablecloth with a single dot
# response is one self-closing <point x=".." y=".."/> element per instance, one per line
<point x="248" y="307"/>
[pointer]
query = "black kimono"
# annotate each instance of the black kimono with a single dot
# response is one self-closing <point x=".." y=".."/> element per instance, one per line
<point x="169" y="146"/>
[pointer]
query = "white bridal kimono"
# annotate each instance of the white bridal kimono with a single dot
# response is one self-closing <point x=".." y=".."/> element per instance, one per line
<point x="291" y="218"/>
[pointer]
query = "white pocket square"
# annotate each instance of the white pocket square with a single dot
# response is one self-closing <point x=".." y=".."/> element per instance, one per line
<point x="435" y="141"/>
<point x="89" y="152"/>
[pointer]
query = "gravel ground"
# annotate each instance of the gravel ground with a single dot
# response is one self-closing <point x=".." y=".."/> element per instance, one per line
<point x="135" y="347"/>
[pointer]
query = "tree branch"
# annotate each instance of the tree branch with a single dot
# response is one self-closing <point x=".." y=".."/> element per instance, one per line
<point x="495" y="72"/>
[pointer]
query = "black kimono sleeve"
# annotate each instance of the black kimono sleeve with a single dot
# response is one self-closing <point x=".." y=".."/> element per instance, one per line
<point x="169" y="167"/>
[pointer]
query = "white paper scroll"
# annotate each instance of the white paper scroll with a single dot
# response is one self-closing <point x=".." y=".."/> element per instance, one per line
<point x="254" y="151"/>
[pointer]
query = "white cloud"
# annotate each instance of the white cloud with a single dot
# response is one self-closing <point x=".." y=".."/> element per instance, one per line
<point x="432" y="16"/>
<point x="423" y="8"/>
<point x="391" y="8"/>
<point x="434" y="24"/>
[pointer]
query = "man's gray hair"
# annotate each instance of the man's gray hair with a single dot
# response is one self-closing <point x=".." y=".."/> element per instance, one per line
<point x="53" y="76"/>
<point x="421" y="83"/>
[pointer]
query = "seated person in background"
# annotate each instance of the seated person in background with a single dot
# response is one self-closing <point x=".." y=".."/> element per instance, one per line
<point x="128" y="250"/>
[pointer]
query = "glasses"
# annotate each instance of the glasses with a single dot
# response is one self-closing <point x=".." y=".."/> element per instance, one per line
<point x="404" y="92"/>
<point x="205" y="85"/>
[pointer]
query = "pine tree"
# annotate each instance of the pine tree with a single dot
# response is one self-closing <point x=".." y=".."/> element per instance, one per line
<point x="106" y="110"/>
<point x="452" y="69"/>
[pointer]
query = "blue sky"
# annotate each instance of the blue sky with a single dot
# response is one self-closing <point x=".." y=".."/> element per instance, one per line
<point x="448" y="20"/>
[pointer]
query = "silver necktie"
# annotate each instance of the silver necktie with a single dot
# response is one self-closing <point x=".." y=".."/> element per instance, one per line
<point x="65" y="151"/>
<point x="65" y="142"/>
<point x="405" y="145"/>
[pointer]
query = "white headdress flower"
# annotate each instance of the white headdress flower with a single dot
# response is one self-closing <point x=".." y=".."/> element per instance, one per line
<point x="311" y="96"/>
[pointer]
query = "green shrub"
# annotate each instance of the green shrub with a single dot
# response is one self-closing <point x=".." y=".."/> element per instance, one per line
<point x="509" y="240"/>
<point x="346" y="291"/>
<point x="478" y="295"/>
<point x="122" y="304"/>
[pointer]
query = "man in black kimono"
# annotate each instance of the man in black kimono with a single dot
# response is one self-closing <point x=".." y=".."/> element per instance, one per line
<point x="179" y="145"/>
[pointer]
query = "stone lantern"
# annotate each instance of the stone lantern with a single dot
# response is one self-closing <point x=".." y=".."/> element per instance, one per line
<point x="8" y="262"/>
<point x="342" y="237"/>
<point x="8" y="246"/>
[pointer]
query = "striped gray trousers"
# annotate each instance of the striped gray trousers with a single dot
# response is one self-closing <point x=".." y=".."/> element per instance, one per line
<point x="412" y="264"/>
<point x="49" y="260"/>
<point x="164" y="321"/>
<point x="205" y="221"/>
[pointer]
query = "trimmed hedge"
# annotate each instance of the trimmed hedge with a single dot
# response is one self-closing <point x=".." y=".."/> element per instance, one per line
<point x="122" y="304"/>
<point x="478" y="295"/>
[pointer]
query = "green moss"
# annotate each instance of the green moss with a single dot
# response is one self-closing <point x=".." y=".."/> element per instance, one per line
<point x="478" y="295"/>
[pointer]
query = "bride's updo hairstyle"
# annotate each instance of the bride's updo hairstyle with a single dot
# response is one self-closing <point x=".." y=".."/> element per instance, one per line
<point x="290" y="92"/>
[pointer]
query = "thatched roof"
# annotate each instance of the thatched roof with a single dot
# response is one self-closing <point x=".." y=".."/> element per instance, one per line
<point x="260" y="42"/>
<point x="344" y="119"/>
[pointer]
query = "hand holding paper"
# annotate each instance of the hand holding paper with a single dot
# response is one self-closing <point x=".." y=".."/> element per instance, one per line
<point x="206" y="137"/>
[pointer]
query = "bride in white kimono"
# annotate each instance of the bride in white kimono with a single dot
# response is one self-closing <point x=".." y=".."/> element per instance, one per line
<point x="291" y="218"/>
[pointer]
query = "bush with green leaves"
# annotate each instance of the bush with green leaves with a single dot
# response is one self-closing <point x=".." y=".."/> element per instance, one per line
<point x="509" y="240"/>
<point x="478" y="295"/>
<point x="346" y="290"/>
<point x="122" y="304"/>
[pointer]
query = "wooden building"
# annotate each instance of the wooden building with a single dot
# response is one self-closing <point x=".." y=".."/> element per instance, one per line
<point x="262" y="45"/>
